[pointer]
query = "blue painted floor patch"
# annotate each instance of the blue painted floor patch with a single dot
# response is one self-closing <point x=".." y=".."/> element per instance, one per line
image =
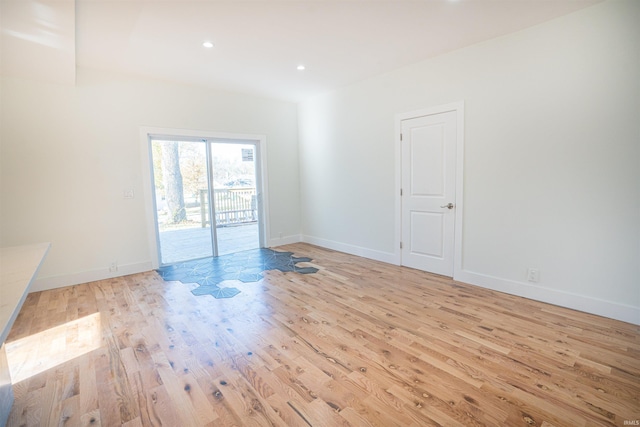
<point x="246" y="266"/>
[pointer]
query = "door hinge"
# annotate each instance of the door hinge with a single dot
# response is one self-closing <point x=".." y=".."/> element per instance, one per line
<point x="401" y="191"/>
<point x="400" y="245"/>
<point x="400" y="137"/>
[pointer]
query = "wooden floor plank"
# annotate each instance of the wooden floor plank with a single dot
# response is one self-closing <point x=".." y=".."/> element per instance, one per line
<point x="358" y="343"/>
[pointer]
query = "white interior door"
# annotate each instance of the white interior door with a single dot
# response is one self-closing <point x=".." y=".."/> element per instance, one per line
<point x="428" y="192"/>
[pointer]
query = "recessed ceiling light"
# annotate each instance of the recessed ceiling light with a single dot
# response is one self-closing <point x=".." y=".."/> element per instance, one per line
<point x="301" y="67"/>
<point x="207" y="45"/>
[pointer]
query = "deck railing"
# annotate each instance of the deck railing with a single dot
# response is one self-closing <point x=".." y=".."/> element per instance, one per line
<point x="233" y="206"/>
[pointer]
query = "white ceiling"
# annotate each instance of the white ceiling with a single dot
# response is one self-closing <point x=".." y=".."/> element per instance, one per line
<point x="38" y="40"/>
<point x="258" y="44"/>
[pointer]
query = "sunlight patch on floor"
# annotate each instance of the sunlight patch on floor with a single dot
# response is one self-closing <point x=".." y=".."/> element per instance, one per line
<point x="44" y="350"/>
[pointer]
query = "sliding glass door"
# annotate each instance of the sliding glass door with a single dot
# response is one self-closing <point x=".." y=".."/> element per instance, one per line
<point x="190" y="173"/>
<point x="235" y="196"/>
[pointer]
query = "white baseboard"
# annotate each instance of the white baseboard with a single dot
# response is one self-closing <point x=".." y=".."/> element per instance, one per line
<point x="54" y="282"/>
<point x="286" y="240"/>
<point x="625" y="313"/>
<point x="622" y="312"/>
<point x="387" y="257"/>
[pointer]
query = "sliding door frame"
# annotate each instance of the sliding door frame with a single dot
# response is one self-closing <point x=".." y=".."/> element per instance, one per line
<point x="147" y="134"/>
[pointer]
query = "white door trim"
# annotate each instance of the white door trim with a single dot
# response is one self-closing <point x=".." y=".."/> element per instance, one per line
<point x="260" y="142"/>
<point x="458" y="107"/>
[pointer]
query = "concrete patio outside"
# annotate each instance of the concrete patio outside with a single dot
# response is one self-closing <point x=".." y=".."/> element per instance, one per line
<point x="192" y="243"/>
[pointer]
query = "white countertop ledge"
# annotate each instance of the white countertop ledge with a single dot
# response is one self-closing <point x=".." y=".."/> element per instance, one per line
<point x="19" y="265"/>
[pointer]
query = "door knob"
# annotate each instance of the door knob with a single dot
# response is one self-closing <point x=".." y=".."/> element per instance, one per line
<point x="448" y="206"/>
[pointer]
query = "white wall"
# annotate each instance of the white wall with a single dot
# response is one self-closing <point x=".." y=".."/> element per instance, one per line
<point x="67" y="153"/>
<point x="552" y="159"/>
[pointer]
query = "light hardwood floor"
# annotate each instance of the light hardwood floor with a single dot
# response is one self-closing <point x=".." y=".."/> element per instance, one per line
<point x="359" y="343"/>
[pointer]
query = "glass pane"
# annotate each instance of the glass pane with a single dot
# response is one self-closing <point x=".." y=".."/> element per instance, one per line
<point x="181" y="187"/>
<point x="234" y="184"/>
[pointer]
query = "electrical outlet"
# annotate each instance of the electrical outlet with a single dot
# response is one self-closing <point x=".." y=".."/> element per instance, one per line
<point x="113" y="267"/>
<point x="128" y="193"/>
<point x="533" y="275"/>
